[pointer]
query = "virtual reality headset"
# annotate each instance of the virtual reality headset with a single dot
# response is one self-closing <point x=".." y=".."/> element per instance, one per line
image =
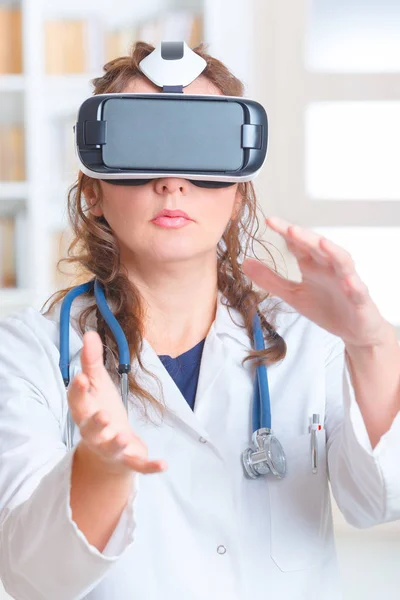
<point x="132" y="138"/>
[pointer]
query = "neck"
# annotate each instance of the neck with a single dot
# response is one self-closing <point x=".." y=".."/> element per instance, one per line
<point x="180" y="301"/>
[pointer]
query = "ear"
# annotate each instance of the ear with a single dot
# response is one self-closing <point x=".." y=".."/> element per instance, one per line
<point x="92" y="200"/>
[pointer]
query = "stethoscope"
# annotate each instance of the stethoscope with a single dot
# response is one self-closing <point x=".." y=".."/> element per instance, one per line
<point x="264" y="456"/>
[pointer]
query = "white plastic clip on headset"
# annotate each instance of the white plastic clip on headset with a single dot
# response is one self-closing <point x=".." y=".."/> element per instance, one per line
<point x="315" y="426"/>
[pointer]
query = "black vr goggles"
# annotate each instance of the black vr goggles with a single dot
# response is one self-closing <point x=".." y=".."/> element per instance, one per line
<point x="131" y="138"/>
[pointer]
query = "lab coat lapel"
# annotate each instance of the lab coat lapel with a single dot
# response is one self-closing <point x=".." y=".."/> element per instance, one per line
<point x="225" y="336"/>
<point x="178" y="410"/>
<point x="212" y="364"/>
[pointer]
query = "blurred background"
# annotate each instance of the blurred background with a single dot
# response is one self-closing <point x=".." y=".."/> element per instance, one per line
<point x="328" y="74"/>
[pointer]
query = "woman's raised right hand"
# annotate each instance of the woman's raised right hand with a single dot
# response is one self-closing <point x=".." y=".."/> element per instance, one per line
<point x="97" y="409"/>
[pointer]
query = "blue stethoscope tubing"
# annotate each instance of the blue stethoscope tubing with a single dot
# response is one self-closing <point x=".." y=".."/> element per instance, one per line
<point x="261" y="409"/>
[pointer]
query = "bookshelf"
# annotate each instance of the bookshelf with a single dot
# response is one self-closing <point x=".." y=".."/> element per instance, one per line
<point x="48" y="54"/>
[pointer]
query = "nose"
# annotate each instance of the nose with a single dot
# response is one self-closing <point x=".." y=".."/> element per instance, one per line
<point x="172" y="185"/>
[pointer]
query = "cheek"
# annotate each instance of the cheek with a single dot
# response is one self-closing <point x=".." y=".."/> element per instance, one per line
<point x="217" y="211"/>
<point x="125" y="213"/>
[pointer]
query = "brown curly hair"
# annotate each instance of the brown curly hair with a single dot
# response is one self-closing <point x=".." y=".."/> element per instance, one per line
<point x="95" y="252"/>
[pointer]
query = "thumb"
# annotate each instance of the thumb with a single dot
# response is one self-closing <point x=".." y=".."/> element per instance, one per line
<point x="92" y="355"/>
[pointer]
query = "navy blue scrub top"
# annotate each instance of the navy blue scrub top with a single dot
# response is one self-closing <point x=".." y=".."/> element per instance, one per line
<point x="185" y="370"/>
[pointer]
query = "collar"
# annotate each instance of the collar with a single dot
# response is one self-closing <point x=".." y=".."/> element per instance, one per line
<point x="230" y="322"/>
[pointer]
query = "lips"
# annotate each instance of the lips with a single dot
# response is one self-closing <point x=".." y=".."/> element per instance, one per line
<point x="172" y="213"/>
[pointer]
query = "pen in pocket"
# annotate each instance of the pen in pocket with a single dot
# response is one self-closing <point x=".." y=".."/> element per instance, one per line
<point x="315" y="426"/>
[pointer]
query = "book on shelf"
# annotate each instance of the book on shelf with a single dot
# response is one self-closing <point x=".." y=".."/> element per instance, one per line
<point x="12" y="152"/>
<point x="8" y="277"/>
<point x="174" y="25"/>
<point x="10" y="39"/>
<point x="64" y="47"/>
<point x="73" y="46"/>
<point x="118" y="41"/>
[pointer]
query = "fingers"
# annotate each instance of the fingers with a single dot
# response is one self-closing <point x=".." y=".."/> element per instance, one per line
<point x="92" y="357"/>
<point x="95" y="431"/>
<point x="106" y="433"/>
<point x="302" y="241"/>
<point x="99" y="436"/>
<point x="93" y="379"/>
<point x="342" y="260"/>
<point x="143" y="465"/>
<point x="81" y="404"/>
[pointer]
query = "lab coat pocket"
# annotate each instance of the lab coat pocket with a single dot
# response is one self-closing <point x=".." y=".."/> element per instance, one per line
<point x="299" y="505"/>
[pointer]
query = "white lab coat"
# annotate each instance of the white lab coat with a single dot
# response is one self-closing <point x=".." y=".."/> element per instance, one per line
<point x="199" y="530"/>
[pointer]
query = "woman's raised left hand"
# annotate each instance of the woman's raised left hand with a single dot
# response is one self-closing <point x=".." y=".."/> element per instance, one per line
<point x="331" y="293"/>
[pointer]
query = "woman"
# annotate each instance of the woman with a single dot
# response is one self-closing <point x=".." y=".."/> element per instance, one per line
<point x="92" y="523"/>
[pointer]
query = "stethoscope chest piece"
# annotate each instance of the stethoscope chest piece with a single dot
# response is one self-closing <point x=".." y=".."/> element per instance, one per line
<point x="266" y="455"/>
